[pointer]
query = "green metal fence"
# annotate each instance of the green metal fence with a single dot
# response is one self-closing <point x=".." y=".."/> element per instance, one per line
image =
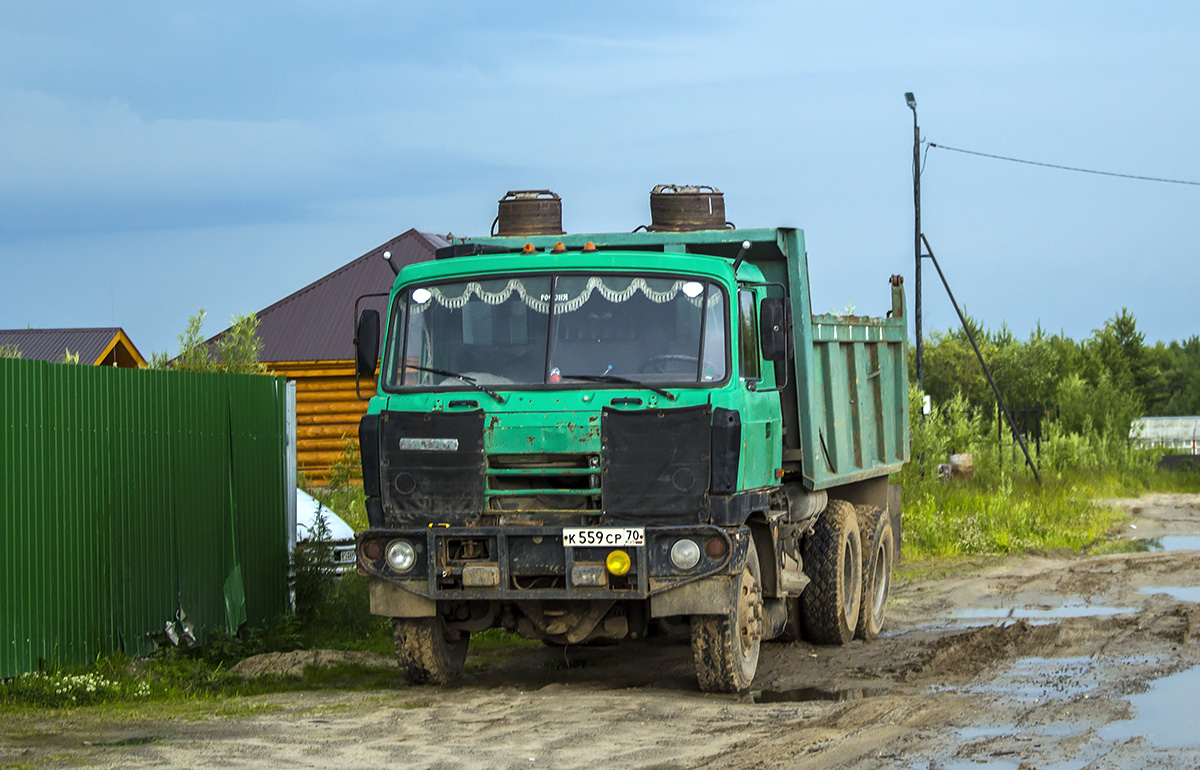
<point x="129" y="497"/>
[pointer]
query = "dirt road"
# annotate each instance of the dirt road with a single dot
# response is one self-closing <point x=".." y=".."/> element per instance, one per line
<point x="1055" y="661"/>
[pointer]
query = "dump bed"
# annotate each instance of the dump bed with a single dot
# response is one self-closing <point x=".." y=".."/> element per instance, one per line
<point x="845" y="406"/>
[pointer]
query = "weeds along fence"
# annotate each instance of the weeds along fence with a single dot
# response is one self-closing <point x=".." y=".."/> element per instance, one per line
<point x="134" y="504"/>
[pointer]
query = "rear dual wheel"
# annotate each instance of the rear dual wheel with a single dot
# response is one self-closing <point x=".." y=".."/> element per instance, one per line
<point x="833" y="560"/>
<point x="879" y="553"/>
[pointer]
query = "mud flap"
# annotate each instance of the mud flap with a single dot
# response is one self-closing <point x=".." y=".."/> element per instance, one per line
<point x="710" y="596"/>
<point x="392" y="601"/>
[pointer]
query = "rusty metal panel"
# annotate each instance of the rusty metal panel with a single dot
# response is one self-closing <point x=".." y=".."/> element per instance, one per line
<point x="130" y="496"/>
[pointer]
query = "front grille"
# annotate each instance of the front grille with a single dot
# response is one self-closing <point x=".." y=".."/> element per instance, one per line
<point x="543" y="484"/>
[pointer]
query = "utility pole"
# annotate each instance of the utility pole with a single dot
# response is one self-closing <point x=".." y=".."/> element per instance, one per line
<point x="916" y="168"/>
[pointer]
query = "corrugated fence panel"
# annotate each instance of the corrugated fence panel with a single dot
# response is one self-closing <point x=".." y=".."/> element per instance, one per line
<point x="129" y="497"/>
<point x="263" y="569"/>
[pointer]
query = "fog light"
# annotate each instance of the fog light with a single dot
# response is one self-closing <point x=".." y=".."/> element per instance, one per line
<point x="618" y="563"/>
<point x="715" y="547"/>
<point x="400" y="555"/>
<point x="685" y="554"/>
<point x="372" y="549"/>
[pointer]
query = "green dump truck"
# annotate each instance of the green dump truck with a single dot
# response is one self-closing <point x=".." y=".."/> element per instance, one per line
<point x="585" y="438"/>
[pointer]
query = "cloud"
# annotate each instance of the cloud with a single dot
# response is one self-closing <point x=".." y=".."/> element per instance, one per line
<point x="58" y="151"/>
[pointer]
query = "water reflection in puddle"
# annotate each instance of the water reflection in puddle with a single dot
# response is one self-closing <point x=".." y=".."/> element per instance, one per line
<point x="1165" y="713"/>
<point x="1041" y="613"/>
<point x="1167" y="543"/>
<point x="1179" y="593"/>
<point x="1175" y="543"/>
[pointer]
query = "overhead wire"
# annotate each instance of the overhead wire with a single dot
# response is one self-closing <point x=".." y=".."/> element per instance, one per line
<point x="1064" y="168"/>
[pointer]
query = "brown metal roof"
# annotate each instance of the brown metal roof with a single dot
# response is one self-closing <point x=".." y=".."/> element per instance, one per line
<point x="52" y="344"/>
<point x="316" y="323"/>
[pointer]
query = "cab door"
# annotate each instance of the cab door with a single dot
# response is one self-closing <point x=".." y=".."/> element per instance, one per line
<point x="762" y="442"/>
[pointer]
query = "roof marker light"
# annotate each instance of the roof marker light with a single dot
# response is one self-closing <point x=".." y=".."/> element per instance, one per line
<point x="528" y="249"/>
<point x="589" y="247"/>
<point x="559" y="248"/>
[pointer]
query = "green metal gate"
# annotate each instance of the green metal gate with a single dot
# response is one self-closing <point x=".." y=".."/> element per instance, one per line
<point x="128" y="497"/>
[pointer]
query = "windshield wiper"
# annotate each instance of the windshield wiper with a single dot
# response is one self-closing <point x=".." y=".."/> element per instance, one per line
<point x="462" y="377"/>
<point x="618" y="379"/>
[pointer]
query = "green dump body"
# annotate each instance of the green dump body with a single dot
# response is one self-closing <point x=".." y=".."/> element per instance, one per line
<point x="844" y="405"/>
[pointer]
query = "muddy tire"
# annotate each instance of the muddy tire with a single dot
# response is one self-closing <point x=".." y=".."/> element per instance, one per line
<point x="726" y="647"/>
<point x="833" y="551"/>
<point x="427" y="651"/>
<point x="878" y="557"/>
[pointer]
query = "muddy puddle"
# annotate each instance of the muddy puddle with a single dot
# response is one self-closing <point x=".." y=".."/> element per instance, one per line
<point x="1179" y="593"/>
<point x="1165" y="713"/>
<point x="1036" y="679"/>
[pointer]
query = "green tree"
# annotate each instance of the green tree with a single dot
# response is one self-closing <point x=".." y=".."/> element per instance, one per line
<point x="193" y="353"/>
<point x="1119" y="349"/>
<point x="1179" y="393"/>
<point x="237" y="351"/>
<point x="239" y="348"/>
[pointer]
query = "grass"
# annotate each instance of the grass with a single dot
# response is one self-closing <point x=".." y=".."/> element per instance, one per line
<point x="488" y="648"/>
<point x="958" y="519"/>
<point x="203" y="677"/>
<point x="498" y="639"/>
<point x="1004" y="512"/>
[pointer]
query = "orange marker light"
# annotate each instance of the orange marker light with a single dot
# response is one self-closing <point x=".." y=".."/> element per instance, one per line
<point x="588" y="247"/>
<point x="528" y="249"/>
<point x="559" y="248"/>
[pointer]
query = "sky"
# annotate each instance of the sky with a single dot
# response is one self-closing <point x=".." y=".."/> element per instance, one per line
<point x="157" y="158"/>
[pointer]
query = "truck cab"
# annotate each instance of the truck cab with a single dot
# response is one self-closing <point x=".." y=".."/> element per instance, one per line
<point x="574" y="437"/>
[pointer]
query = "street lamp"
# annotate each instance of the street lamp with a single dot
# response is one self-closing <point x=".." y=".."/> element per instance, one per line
<point x="911" y="101"/>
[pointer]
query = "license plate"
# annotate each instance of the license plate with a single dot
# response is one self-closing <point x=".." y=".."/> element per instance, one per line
<point x="610" y="537"/>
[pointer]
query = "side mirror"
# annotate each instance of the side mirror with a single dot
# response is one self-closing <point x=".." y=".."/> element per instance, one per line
<point x="773" y="328"/>
<point x="366" y="343"/>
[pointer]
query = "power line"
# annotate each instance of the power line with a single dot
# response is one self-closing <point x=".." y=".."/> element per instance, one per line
<point x="1065" y="168"/>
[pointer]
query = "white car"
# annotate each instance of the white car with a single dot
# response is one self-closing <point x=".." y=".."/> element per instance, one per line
<point x="340" y="533"/>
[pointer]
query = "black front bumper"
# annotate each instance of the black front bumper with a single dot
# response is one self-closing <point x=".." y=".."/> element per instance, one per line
<point x="531" y="563"/>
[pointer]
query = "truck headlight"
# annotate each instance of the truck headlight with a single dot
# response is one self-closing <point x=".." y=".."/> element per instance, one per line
<point x="401" y="556"/>
<point x="685" y="554"/>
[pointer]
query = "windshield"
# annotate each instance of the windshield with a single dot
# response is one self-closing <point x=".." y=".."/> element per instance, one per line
<point x="543" y="329"/>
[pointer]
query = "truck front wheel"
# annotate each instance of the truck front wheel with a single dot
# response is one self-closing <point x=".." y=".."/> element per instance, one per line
<point x="833" y="561"/>
<point x="428" y="652"/>
<point x="726" y="647"/>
